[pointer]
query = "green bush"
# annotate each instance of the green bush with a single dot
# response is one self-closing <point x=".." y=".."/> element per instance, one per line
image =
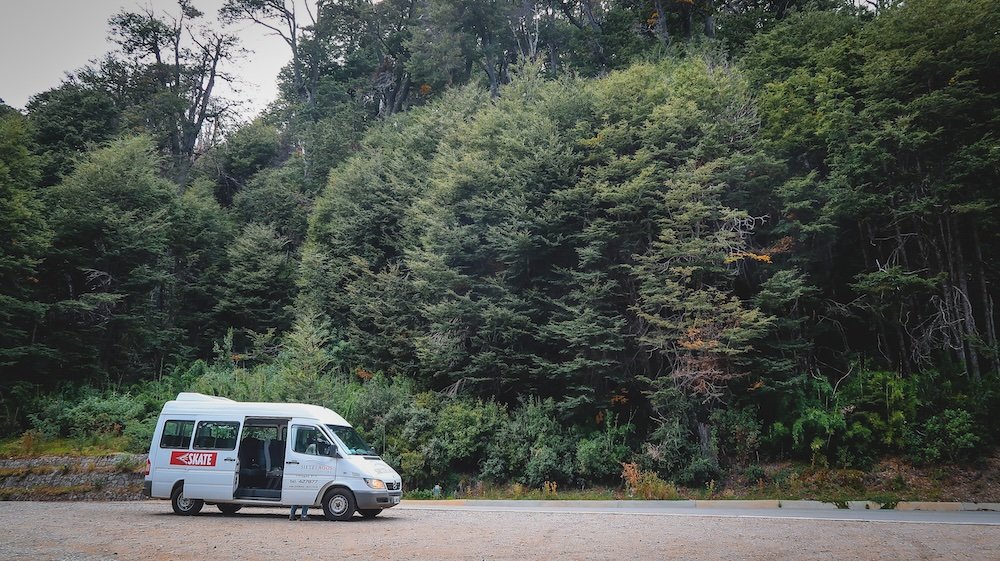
<point x="140" y="434"/>
<point x="461" y="434"/>
<point x="101" y="414"/>
<point x="737" y="435"/>
<point x="950" y="435"/>
<point x="600" y="456"/>
<point x="755" y="473"/>
<point x="700" y="472"/>
<point x="551" y="461"/>
<point x="419" y="494"/>
<point x="669" y="449"/>
<point x="531" y="447"/>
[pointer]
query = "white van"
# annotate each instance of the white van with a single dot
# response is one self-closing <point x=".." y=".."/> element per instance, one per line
<point x="212" y="450"/>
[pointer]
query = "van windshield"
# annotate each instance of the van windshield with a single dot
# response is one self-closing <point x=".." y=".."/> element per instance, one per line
<point x="352" y="440"/>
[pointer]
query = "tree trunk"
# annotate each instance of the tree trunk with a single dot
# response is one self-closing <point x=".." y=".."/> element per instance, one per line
<point x="953" y="253"/>
<point x="705" y="442"/>
<point x="968" y="316"/>
<point x="402" y="94"/>
<point x="491" y="73"/>
<point x="661" y="23"/>
<point x="710" y="19"/>
<point x="984" y="299"/>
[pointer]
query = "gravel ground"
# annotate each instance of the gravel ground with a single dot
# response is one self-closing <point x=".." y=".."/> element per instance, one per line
<point x="148" y="531"/>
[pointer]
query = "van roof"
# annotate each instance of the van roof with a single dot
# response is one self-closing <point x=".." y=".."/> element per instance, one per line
<point x="190" y="403"/>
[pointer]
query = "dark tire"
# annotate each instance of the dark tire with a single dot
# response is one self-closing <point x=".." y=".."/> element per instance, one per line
<point x="229" y="509"/>
<point x="339" y="504"/>
<point x="182" y="505"/>
<point x="370" y="512"/>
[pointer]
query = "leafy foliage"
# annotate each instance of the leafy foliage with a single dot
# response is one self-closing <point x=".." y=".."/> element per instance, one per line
<point x="525" y="242"/>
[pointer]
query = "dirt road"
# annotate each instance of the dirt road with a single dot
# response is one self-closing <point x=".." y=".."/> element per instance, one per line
<point x="148" y="531"/>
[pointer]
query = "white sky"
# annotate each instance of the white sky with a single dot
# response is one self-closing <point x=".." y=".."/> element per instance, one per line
<point x="41" y="40"/>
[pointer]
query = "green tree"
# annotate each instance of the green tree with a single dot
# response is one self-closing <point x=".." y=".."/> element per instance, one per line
<point x="165" y="78"/>
<point x="274" y="197"/>
<point x="69" y="120"/>
<point x="200" y="228"/>
<point x="24" y="239"/>
<point x="233" y="163"/>
<point x="108" y="273"/>
<point x="258" y="286"/>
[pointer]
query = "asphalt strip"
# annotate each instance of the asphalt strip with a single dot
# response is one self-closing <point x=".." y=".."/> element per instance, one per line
<point x="714" y="515"/>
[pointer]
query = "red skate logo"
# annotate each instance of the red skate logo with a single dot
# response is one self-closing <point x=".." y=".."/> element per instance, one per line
<point x="199" y="459"/>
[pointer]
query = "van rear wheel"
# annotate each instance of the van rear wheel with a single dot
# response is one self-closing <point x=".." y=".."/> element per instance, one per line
<point x="183" y="505"/>
<point x="338" y="504"/>
<point x="370" y="512"/>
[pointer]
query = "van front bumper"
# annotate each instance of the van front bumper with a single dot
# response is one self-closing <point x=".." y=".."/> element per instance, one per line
<point x="377" y="499"/>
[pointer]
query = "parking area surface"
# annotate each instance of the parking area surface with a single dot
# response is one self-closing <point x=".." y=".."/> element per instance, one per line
<point x="148" y="530"/>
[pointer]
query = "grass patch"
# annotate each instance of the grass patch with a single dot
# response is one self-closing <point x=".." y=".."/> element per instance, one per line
<point x="32" y="447"/>
<point x="21" y="472"/>
<point x="130" y="464"/>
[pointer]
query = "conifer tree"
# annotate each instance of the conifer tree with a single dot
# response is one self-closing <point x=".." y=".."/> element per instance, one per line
<point x="24" y="238"/>
<point x="259" y="286"/>
<point x="109" y="273"/>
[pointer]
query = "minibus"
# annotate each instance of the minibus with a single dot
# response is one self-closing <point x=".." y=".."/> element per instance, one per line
<point x="216" y="451"/>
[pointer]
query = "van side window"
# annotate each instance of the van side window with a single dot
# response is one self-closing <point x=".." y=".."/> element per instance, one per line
<point x="309" y="440"/>
<point x="216" y="435"/>
<point x="177" y="434"/>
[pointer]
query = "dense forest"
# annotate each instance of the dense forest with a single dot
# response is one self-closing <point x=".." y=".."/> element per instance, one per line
<point x="524" y="240"/>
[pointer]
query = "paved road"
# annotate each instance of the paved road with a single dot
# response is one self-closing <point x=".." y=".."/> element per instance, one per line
<point x="666" y="508"/>
<point x="51" y="531"/>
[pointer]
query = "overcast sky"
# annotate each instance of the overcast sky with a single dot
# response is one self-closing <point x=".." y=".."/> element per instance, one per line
<point x="41" y="40"/>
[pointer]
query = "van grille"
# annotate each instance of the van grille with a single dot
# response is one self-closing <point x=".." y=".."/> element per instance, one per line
<point x="393" y="485"/>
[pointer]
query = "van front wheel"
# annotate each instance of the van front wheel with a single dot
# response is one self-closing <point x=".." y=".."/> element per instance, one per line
<point x="338" y="504"/>
<point x="183" y="505"/>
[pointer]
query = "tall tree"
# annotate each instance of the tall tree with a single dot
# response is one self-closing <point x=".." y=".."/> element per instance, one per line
<point x="69" y="120"/>
<point x="171" y="68"/>
<point x="258" y="286"/>
<point x="108" y="274"/>
<point x="24" y="239"/>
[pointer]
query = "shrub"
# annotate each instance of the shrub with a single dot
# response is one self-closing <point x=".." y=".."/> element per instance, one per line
<point x="646" y="484"/>
<point x="754" y="473"/>
<point x="531" y="447"/>
<point x="139" y="434"/>
<point x="949" y="435"/>
<point x="601" y="455"/>
<point x="737" y="435"/>
<point x="699" y="472"/>
<point x="461" y="433"/>
<point x="412" y="466"/>
<point x="669" y="449"/>
<point x="419" y="494"/>
<point x="102" y="414"/>
<point x="549" y="462"/>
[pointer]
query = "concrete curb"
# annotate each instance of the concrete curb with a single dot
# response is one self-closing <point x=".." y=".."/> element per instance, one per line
<point x="708" y="504"/>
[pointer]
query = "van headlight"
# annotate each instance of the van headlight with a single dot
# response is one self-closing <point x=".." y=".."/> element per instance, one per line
<point x="375" y="483"/>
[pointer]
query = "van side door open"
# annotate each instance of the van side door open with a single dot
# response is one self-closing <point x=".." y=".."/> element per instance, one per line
<point x="309" y="463"/>
<point x="211" y="464"/>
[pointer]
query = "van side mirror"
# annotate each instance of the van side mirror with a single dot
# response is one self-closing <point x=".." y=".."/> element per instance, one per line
<point x="330" y="450"/>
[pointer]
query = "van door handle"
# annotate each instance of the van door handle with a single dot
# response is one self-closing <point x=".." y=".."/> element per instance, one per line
<point x="292" y="462"/>
<point x="228" y="459"/>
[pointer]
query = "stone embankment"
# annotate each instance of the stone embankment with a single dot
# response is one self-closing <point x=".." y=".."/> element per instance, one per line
<point x="64" y="478"/>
